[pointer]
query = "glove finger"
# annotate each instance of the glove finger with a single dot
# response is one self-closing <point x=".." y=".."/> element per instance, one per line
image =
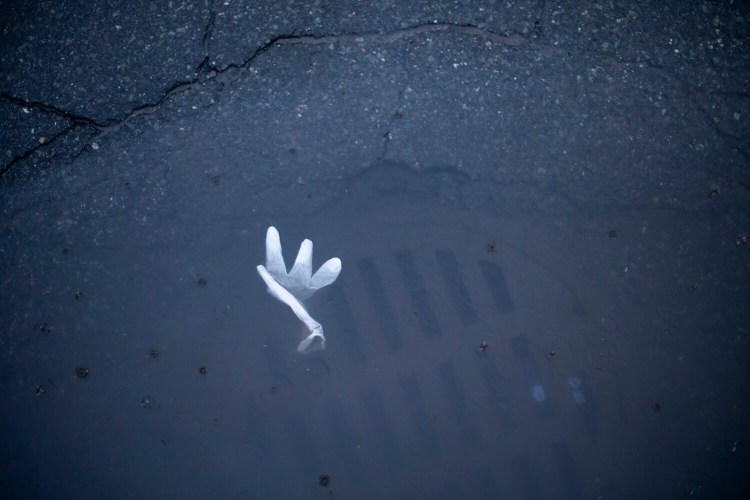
<point x="302" y="269"/>
<point x="274" y="258"/>
<point x="327" y="274"/>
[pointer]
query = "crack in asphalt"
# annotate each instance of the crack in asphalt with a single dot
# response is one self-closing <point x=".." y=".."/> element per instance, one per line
<point x="26" y="154"/>
<point x="50" y="109"/>
<point x="208" y="72"/>
<point x="513" y="39"/>
<point x="541" y="19"/>
<point x="74" y="120"/>
<point x="207" y="34"/>
<point x="390" y="125"/>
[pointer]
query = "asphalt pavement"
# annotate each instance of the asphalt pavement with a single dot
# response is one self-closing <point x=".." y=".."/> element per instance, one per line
<point x="538" y="205"/>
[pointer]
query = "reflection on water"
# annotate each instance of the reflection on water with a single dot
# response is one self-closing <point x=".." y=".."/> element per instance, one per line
<point x="402" y="393"/>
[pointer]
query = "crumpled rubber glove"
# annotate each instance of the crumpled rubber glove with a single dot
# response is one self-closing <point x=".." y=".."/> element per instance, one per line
<point x="298" y="284"/>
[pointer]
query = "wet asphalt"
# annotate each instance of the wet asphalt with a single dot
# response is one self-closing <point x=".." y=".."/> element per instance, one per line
<point x="524" y="195"/>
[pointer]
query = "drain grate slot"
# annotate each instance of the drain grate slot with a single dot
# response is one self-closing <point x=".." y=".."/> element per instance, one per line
<point x="455" y="395"/>
<point x="454" y="282"/>
<point x="350" y="336"/>
<point x="498" y="285"/>
<point x="383" y="311"/>
<point x="568" y="470"/>
<point x="421" y="301"/>
<point x="381" y="428"/>
<point x="419" y="414"/>
<point x="522" y="351"/>
<point x="343" y="440"/>
<point x="491" y="381"/>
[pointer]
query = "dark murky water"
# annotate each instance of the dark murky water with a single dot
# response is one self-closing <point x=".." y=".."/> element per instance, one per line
<point x="472" y="350"/>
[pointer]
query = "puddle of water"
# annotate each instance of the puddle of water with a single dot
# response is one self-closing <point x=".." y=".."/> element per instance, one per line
<point x="462" y="341"/>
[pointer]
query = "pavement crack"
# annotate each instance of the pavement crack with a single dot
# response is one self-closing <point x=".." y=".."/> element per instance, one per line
<point x="74" y="121"/>
<point x="206" y="72"/>
<point x="208" y="31"/>
<point x="26" y="154"/>
<point x="146" y="109"/>
<point x="541" y="20"/>
<point x="50" y="109"/>
<point x="512" y="39"/>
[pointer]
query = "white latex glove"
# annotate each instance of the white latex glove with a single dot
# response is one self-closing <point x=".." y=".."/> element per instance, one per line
<point x="298" y="284"/>
<point x="300" y="281"/>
